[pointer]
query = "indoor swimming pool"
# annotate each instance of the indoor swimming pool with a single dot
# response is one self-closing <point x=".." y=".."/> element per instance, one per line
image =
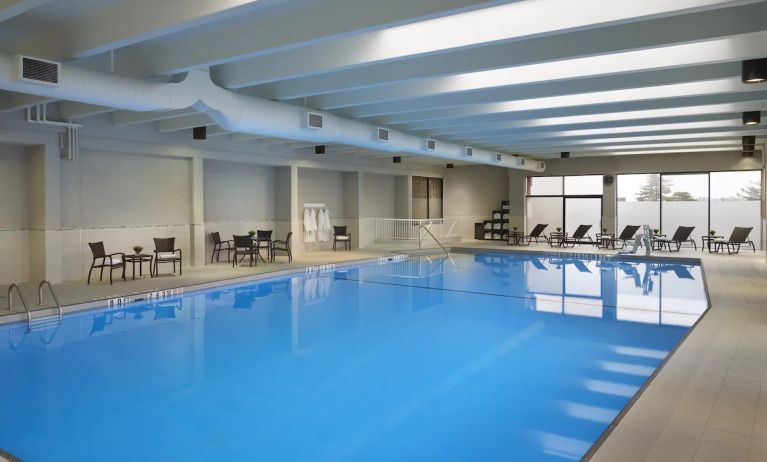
<point x="487" y="357"/>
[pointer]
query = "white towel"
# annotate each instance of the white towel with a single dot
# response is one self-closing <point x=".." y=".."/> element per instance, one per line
<point x="310" y="225"/>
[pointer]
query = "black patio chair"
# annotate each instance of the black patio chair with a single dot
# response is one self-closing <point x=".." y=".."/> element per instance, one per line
<point x="245" y="246"/>
<point x="535" y="234"/>
<point x="112" y="261"/>
<point x="580" y="236"/>
<point x="282" y="246"/>
<point x="738" y="237"/>
<point x="264" y="240"/>
<point x="340" y="235"/>
<point x="626" y="235"/>
<point x="219" y="245"/>
<point x="681" y="236"/>
<point x="165" y="251"/>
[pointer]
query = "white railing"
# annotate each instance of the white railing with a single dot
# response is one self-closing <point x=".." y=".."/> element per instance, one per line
<point x="396" y="229"/>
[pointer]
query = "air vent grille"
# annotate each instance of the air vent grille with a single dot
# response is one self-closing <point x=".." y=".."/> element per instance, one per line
<point x="522" y="161"/>
<point x="314" y="120"/>
<point x="431" y="145"/>
<point x="542" y="165"/>
<point x="38" y="71"/>
<point x="469" y="152"/>
<point x="383" y="134"/>
<point x="498" y="157"/>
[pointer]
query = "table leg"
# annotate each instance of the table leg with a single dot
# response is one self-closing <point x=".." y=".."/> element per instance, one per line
<point x="133" y="268"/>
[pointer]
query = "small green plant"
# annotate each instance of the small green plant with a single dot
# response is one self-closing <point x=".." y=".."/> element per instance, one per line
<point x="559" y="230"/>
<point x="137" y="249"/>
<point x="604" y="230"/>
<point x="712" y="233"/>
<point x="251" y="233"/>
<point x="656" y="231"/>
<point x="515" y="228"/>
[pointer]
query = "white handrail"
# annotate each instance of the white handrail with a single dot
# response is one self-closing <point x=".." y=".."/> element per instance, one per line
<point x="388" y="229"/>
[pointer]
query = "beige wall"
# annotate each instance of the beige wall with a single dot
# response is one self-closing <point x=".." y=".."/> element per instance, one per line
<point x="471" y="193"/>
<point x="14" y="229"/>
<point x="325" y="187"/>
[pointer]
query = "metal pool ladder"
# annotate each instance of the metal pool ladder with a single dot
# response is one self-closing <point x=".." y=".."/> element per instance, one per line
<point x="41" y="322"/>
<point x="433" y="237"/>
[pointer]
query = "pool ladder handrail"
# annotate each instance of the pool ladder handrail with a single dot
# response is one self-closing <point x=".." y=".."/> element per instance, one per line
<point x="433" y="237"/>
<point x="47" y="283"/>
<point x="23" y="302"/>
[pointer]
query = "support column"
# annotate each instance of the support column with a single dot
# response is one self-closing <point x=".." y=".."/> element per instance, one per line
<point x="197" y="219"/>
<point x="609" y="203"/>
<point x="44" y="214"/>
<point x="403" y="196"/>
<point x="764" y="200"/>
<point x="287" y="212"/>
<point x="353" y="184"/>
<point x="517" y="203"/>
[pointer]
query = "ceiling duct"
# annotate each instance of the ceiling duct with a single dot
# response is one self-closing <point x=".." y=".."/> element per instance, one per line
<point x="236" y="112"/>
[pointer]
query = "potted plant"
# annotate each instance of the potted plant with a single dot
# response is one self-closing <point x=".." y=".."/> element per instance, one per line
<point x="137" y="249"/>
<point x="559" y="229"/>
<point x="656" y="231"/>
<point x="515" y="228"/>
<point x="712" y="233"/>
<point x="251" y="233"/>
<point x="604" y="230"/>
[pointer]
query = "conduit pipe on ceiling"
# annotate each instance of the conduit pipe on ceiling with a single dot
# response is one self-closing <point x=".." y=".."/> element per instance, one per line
<point x="237" y="112"/>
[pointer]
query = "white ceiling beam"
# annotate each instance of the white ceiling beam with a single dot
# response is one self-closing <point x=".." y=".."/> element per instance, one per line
<point x="126" y="118"/>
<point x="240" y="137"/>
<point x="426" y="127"/>
<point x="637" y="139"/>
<point x="658" y="151"/>
<point x="184" y="123"/>
<point x="605" y="117"/>
<point x="70" y="110"/>
<point x="637" y="146"/>
<point x="12" y="8"/>
<point x="641" y="35"/>
<point x="125" y="23"/>
<point x="707" y="87"/>
<point x="314" y="23"/>
<point x="216" y="131"/>
<point x="11" y="101"/>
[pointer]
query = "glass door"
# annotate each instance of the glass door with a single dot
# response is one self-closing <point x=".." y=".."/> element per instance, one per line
<point x="583" y="211"/>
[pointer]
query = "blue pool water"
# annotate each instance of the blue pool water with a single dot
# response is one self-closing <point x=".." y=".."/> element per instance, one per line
<point x="488" y="357"/>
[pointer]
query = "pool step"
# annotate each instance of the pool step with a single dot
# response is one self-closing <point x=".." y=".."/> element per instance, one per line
<point x="44" y="323"/>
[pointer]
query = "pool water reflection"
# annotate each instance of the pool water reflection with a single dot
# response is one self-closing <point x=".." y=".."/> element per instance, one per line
<point x="478" y="357"/>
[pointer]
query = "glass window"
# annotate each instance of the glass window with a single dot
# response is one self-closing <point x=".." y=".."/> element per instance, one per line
<point x="583" y="211"/>
<point x="544" y="186"/>
<point x="685" y="203"/>
<point x="638" y="200"/>
<point x="584" y="185"/>
<point x="736" y="201"/>
<point x="544" y="210"/>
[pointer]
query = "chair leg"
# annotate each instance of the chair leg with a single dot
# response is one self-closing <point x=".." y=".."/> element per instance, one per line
<point x="134" y="271"/>
<point x="89" y="274"/>
<point x="101" y="274"/>
<point x="110" y="275"/>
<point x="180" y="266"/>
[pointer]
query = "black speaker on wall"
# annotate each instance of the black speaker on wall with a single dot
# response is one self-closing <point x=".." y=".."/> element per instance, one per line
<point x="608" y="180"/>
<point x="200" y="133"/>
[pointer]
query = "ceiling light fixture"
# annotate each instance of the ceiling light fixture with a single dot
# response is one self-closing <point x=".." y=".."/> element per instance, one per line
<point x="200" y="133"/>
<point x="752" y="117"/>
<point x="754" y="70"/>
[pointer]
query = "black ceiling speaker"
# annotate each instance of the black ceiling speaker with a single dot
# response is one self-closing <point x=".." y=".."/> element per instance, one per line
<point x="748" y="153"/>
<point x="752" y="117"/>
<point x="397" y="159"/>
<point x="754" y="70"/>
<point x="608" y="180"/>
<point x="450" y="165"/>
<point x="749" y="141"/>
<point x="564" y="155"/>
<point x="200" y="133"/>
<point x="319" y="149"/>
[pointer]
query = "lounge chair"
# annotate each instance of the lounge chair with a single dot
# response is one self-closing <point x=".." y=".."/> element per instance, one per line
<point x="626" y="235"/>
<point x="739" y="236"/>
<point x="219" y="245"/>
<point x="282" y="246"/>
<point x="112" y="261"/>
<point x="245" y="246"/>
<point x="579" y="236"/>
<point x="681" y="236"/>
<point x="165" y="252"/>
<point x="535" y="234"/>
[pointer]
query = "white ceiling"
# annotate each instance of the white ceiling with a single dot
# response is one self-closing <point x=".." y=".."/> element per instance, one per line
<point x="534" y="77"/>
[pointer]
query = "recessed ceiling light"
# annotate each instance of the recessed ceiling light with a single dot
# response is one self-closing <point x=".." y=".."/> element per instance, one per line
<point x="752" y="118"/>
<point x="754" y="70"/>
